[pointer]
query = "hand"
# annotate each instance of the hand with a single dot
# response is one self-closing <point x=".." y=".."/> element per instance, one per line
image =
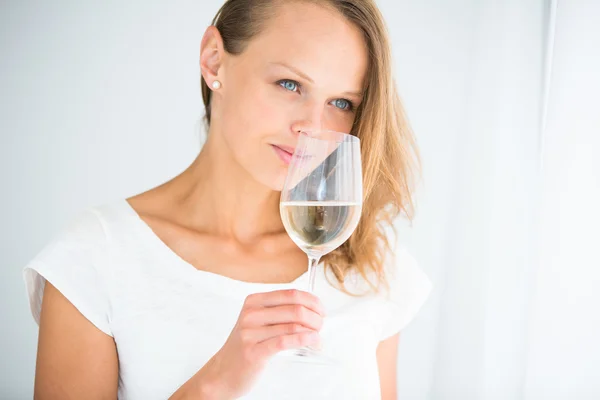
<point x="268" y="323"/>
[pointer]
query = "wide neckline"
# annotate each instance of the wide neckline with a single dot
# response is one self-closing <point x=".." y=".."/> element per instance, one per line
<point x="213" y="279"/>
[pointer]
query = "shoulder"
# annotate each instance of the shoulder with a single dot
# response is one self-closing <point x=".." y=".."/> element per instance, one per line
<point x="88" y="228"/>
<point x="400" y="296"/>
<point x="75" y="261"/>
<point x="408" y="288"/>
<point x="404" y="275"/>
<point x="403" y="289"/>
<point x="83" y="234"/>
<point x="400" y="276"/>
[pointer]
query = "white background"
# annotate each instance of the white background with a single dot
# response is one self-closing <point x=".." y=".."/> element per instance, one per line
<point x="101" y="100"/>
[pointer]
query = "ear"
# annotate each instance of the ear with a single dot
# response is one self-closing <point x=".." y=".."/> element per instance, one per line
<point x="211" y="55"/>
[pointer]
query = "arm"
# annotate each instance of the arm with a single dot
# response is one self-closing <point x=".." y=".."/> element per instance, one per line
<point x="387" y="361"/>
<point x="75" y="359"/>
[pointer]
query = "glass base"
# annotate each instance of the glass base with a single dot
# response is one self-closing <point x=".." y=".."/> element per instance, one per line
<point x="306" y="355"/>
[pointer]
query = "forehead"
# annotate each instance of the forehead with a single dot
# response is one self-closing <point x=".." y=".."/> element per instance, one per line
<point x="317" y="40"/>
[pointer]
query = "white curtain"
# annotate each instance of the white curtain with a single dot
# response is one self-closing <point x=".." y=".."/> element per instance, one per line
<point x="563" y="352"/>
<point x="516" y="313"/>
<point x="481" y="333"/>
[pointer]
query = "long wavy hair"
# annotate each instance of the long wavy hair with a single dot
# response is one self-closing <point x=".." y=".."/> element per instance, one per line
<point x="389" y="154"/>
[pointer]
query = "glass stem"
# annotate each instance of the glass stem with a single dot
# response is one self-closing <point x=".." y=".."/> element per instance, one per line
<point x="312" y="272"/>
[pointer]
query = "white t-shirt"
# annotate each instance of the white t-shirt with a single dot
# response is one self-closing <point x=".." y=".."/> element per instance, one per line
<point x="169" y="318"/>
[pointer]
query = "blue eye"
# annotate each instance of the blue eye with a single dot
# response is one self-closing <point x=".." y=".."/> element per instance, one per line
<point x="342" y="104"/>
<point x="292" y="86"/>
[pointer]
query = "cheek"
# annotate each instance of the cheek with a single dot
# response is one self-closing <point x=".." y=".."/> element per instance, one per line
<point x="338" y="121"/>
<point x="271" y="111"/>
<point x="252" y="118"/>
<point x="256" y="111"/>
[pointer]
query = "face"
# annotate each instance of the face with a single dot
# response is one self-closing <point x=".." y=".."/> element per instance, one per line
<point x="305" y="71"/>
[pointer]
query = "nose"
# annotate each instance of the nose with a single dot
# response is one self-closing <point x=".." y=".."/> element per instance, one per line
<point x="310" y="118"/>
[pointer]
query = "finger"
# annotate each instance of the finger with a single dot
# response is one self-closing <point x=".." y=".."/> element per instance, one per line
<point x="283" y="297"/>
<point x="274" y="345"/>
<point x="258" y="335"/>
<point x="287" y="314"/>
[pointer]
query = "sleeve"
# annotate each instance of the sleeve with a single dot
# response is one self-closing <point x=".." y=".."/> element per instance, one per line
<point x="71" y="263"/>
<point x="409" y="288"/>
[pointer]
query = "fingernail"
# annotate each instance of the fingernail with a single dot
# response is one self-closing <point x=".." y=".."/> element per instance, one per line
<point x="316" y="341"/>
<point x="323" y="312"/>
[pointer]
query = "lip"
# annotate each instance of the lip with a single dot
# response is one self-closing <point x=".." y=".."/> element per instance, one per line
<point x="287" y="149"/>
<point x="285" y="153"/>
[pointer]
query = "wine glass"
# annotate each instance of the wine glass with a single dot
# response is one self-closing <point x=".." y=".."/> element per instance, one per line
<point x="321" y="200"/>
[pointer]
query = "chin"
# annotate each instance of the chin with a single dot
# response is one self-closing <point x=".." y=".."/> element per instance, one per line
<point x="277" y="184"/>
<point x="273" y="181"/>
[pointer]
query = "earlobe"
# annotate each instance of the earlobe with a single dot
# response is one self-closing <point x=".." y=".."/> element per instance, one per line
<point x="211" y="55"/>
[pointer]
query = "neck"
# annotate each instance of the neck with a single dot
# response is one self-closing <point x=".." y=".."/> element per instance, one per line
<point x="219" y="197"/>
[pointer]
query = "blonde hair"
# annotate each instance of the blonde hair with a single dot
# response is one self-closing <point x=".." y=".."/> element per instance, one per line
<point x="389" y="153"/>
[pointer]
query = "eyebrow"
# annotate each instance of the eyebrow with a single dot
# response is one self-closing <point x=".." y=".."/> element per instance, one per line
<point x="358" y="94"/>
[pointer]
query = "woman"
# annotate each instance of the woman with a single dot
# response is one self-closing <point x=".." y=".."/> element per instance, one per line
<point x="190" y="290"/>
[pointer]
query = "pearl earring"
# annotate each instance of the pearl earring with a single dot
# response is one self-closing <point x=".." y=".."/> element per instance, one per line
<point x="216" y="85"/>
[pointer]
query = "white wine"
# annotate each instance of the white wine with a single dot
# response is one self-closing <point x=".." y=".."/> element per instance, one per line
<point x="318" y="227"/>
